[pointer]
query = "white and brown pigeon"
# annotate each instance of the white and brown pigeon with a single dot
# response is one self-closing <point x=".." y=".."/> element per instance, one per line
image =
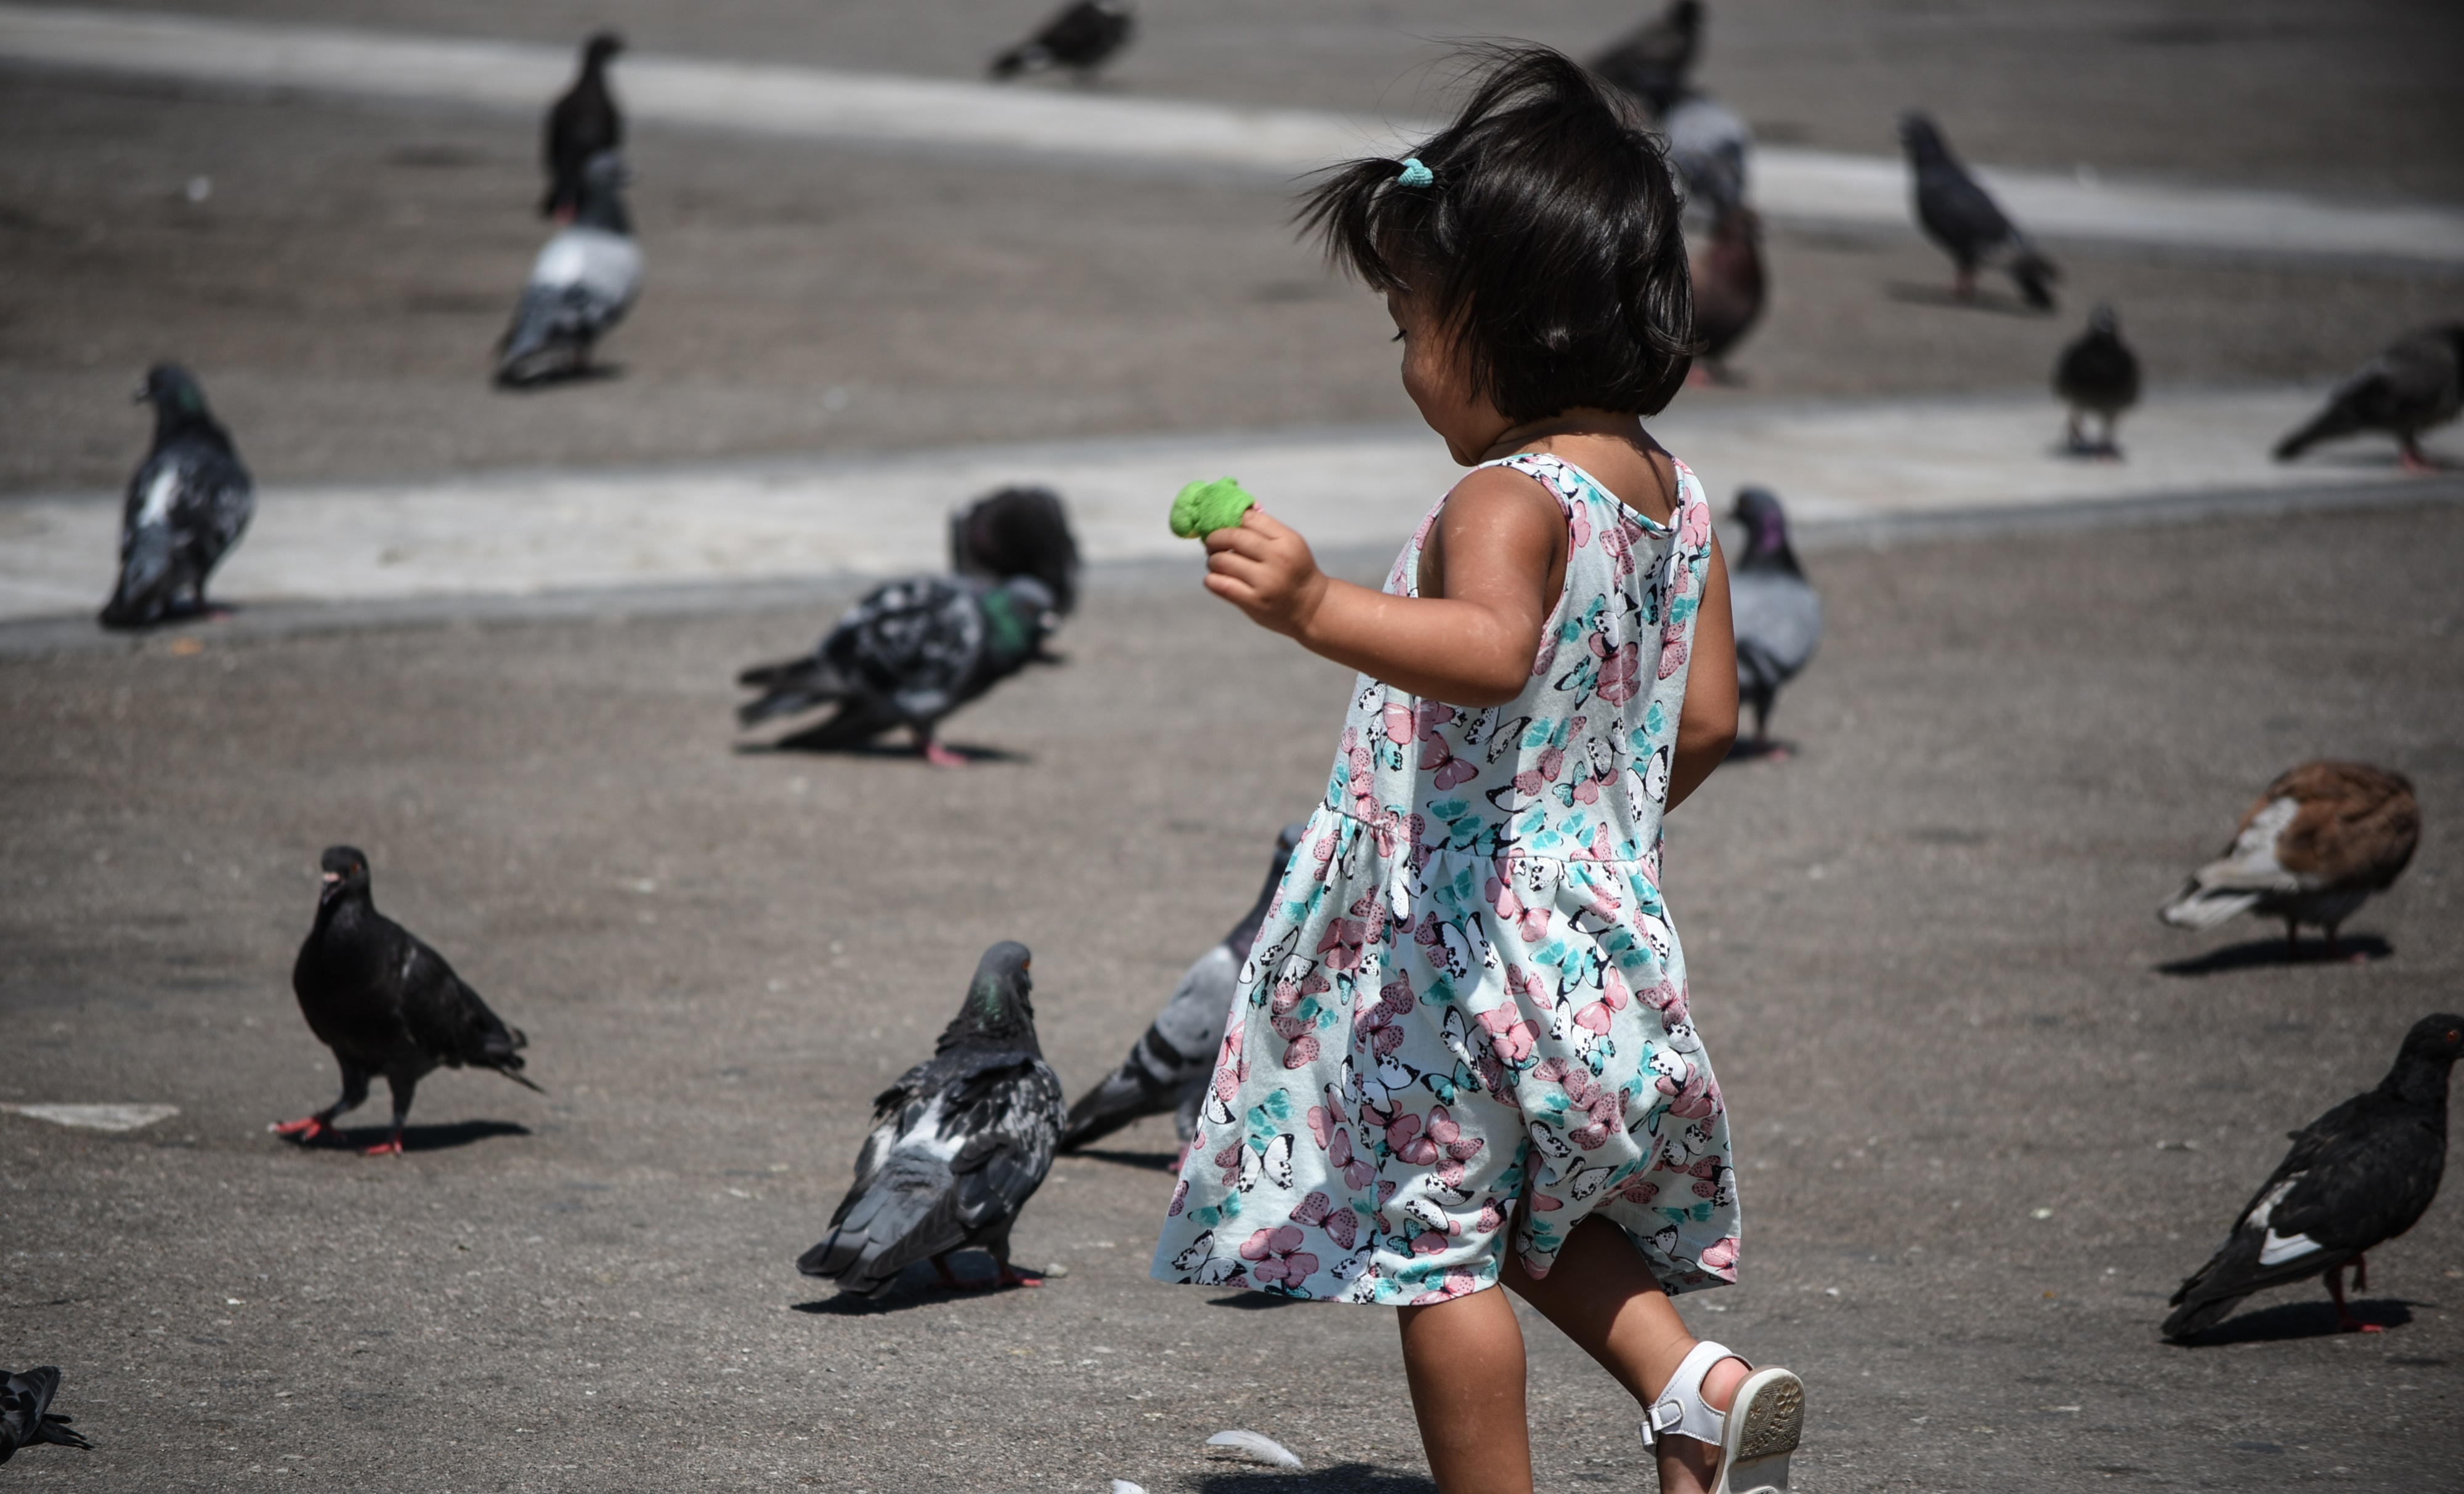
<point x="2319" y="841"/>
<point x="2357" y="1176"/>
<point x="958" y="1144"/>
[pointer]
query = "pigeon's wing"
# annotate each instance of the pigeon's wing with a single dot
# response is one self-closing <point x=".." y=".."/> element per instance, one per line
<point x="2247" y="871"/>
<point x="26" y="1416"/>
<point x="2415" y="382"/>
<point x="448" y="1019"/>
<point x="1958" y="212"/>
<point x="2098" y="373"/>
<point x="1013" y="1123"/>
<point x="582" y="284"/>
<point x="1173" y="1057"/>
<point x="790" y="686"/>
<point x="149" y="542"/>
<point x="915" y="642"/>
<point x="1778" y="618"/>
<point x="2355" y="826"/>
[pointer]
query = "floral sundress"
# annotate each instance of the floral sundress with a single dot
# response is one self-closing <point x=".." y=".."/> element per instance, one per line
<point x="1467" y="1007"/>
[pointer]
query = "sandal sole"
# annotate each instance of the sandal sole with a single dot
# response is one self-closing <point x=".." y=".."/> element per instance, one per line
<point x="1765" y="1422"/>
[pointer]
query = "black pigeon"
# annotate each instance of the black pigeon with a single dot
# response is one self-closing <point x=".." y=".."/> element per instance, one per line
<point x="1018" y="532"/>
<point x="2418" y="383"/>
<point x="911" y="653"/>
<point x="958" y="1144"/>
<point x="1957" y="215"/>
<point x="2098" y="375"/>
<point x="582" y="283"/>
<point x="1082" y="36"/>
<point x="26" y="1414"/>
<point x="1652" y="62"/>
<point x="186" y="506"/>
<point x="1777" y="614"/>
<point x="580" y="125"/>
<point x="1168" y="1068"/>
<point x="2358" y="1175"/>
<point x="386" y="1004"/>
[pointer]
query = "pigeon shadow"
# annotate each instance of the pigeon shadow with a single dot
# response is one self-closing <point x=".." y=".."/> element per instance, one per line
<point x="2288" y="1320"/>
<point x="811" y="742"/>
<point x="1254" y="1300"/>
<point x="1772" y="750"/>
<point x="433" y="1138"/>
<point x="1997" y="302"/>
<point x="1344" y="1477"/>
<point x="1152" y="1161"/>
<point x="593" y="373"/>
<point x="918" y="1286"/>
<point x="2358" y="948"/>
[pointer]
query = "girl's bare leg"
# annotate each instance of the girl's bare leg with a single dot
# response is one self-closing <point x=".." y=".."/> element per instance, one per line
<point x="1464" y="1361"/>
<point x="1601" y="1295"/>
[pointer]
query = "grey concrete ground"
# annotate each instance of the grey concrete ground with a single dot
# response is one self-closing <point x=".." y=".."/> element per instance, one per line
<point x="1924" y="952"/>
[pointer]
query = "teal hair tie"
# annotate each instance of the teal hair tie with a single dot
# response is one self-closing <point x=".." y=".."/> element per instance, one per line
<point x="1415" y="174"/>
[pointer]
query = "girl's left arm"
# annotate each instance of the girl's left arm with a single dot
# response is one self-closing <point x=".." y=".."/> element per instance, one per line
<point x="1707" y="727"/>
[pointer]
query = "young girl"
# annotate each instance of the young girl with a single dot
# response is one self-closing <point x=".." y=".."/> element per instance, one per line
<point x="1465" y="1020"/>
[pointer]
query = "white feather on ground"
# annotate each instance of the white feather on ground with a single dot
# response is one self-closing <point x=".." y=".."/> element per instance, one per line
<point x="1256" y="1447"/>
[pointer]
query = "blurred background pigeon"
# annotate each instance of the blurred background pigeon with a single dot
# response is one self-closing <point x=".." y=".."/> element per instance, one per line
<point x="2096" y="375"/>
<point x="26" y="1414"/>
<point x="1653" y="60"/>
<point x="2319" y="841"/>
<point x="188" y="505"/>
<point x="958" y="1144"/>
<point x="2357" y="1176"/>
<point x="1712" y="149"/>
<point x="583" y="122"/>
<point x="1778" y="616"/>
<point x="1730" y="290"/>
<point x="386" y="1004"/>
<point x="1018" y="532"/>
<point x="1082" y="36"/>
<point x="911" y="653"/>
<point x="582" y="284"/>
<point x="1167" y="1067"/>
<point x="2418" y="383"/>
<point x="1957" y="215"/>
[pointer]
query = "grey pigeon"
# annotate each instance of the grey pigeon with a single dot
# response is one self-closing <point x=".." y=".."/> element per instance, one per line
<point x="1018" y="532"/>
<point x="907" y="654"/>
<point x="385" y="1004"/>
<point x="1778" y="616"/>
<point x="584" y="121"/>
<point x="958" y="1144"/>
<point x="188" y="505"/>
<point x="1712" y="149"/>
<point x="1082" y="36"/>
<point x="2418" y="383"/>
<point x="2098" y="375"/>
<point x="1652" y="61"/>
<point x="582" y="283"/>
<point x="2317" y="843"/>
<point x="1167" y="1067"/>
<point x="26" y="1414"/>
<point x="2357" y="1176"/>
<point x="1957" y="215"/>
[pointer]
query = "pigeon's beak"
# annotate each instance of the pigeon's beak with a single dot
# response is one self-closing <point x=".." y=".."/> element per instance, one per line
<point x="142" y="395"/>
<point x="329" y="878"/>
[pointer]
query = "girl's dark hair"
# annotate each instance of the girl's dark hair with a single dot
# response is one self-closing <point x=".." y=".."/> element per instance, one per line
<point x="1546" y="242"/>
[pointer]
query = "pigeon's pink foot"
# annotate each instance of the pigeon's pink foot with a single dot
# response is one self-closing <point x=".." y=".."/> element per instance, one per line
<point x="2412" y="461"/>
<point x="1010" y="1277"/>
<point x="941" y="756"/>
<point x="391" y="1146"/>
<point x="307" y="1127"/>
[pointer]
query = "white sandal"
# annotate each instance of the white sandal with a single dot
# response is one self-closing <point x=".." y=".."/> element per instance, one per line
<point x="1754" y="1435"/>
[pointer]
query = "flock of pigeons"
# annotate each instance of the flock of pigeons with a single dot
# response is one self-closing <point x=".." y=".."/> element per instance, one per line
<point x="963" y="1139"/>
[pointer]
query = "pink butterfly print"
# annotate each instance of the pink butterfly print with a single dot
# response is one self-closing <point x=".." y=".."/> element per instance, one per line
<point x="1672" y="649"/>
<point x="1694" y="1099"/>
<point x="1301" y="1045"/>
<point x="1597" y="1017"/>
<point x="1491" y="1218"/>
<point x="1580" y="525"/>
<point x="1617" y="539"/>
<point x="1180" y="1197"/>
<point x="1720" y="1258"/>
<point x="1456" y="1284"/>
<point x="1668" y="1000"/>
<point x="1398" y="721"/>
<point x="1620" y="670"/>
<point x="1637" y="1189"/>
<point x="1541" y="1204"/>
<point x="1430" y="715"/>
<point x="1403" y="1138"/>
<point x="1341" y="946"/>
<point x="1451" y="770"/>
<point x="1279" y="1256"/>
<point x="1693" y="525"/>
<point x="1228" y="1162"/>
<point x="1339" y="1156"/>
<point x="1341" y="1224"/>
<point x="1509" y="1035"/>
<point x="1533" y="923"/>
<point x="1445" y="1133"/>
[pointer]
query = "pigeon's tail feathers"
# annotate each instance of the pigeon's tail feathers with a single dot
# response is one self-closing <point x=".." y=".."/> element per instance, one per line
<point x="537" y="346"/>
<point x="2035" y="275"/>
<point x="1125" y="1094"/>
<point x="1019" y="59"/>
<point x="149" y="581"/>
<point x="2337" y="419"/>
<point x="2195" y="1315"/>
<point x="2197" y="907"/>
<point x="790" y="686"/>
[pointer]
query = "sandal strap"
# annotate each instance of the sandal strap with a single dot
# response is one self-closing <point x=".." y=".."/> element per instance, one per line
<point x="1680" y="1411"/>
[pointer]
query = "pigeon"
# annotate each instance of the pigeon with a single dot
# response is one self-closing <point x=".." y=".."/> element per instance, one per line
<point x="1712" y="149"/>
<point x="1018" y="532"/>
<point x="188" y="503"/>
<point x="1167" y="1067"/>
<point x="26" y="1414"/>
<point x="2359" y="1176"/>
<point x="1957" y="215"/>
<point x="1082" y="36"/>
<point x="386" y="1004"/>
<point x="2098" y="375"/>
<point x="2418" y="383"/>
<point x="911" y="653"/>
<point x="1651" y="63"/>
<point x="582" y="284"/>
<point x="2319" y="841"/>
<point x="580" y="125"/>
<point x="1729" y="289"/>
<point x="1777" y="615"/>
<point x="958" y="1144"/>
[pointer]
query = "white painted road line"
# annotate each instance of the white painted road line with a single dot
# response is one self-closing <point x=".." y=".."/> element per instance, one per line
<point x="1807" y="186"/>
<point x="531" y="534"/>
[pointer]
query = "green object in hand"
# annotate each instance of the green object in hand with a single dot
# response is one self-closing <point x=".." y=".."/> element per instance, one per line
<point x="1202" y="508"/>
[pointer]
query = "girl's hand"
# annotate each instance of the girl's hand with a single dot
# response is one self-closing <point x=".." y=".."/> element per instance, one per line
<point x="1262" y="566"/>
